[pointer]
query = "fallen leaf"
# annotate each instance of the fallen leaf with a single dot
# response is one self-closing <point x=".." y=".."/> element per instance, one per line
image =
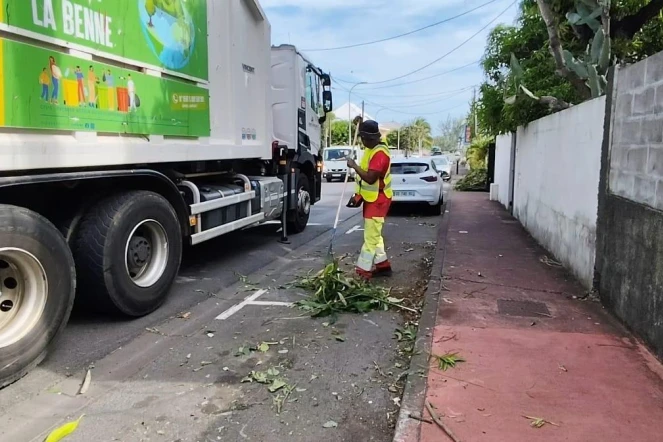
<point x="65" y="430"/>
<point x="277" y="384"/>
<point x="185" y="315"/>
<point x="340" y="338"/>
<point x="330" y="424"/>
<point x="263" y="347"/>
<point x="86" y="382"/>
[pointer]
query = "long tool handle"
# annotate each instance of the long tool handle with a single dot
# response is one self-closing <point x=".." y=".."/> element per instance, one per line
<point x="345" y="184"/>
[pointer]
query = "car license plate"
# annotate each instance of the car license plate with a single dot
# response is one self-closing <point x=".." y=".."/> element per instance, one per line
<point x="404" y="193"/>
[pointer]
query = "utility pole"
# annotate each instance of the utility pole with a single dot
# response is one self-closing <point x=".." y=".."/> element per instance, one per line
<point x="476" y="118"/>
<point x="362" y="110"/>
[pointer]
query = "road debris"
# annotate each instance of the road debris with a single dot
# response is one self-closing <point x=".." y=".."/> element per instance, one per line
<point x="448" y="360"/>
<point x="441" y="424"/>
<point x="419" y="417"/>
<point x="333" y="292"/>
<point x="186" y="315"/>
<point x="330" y="424"/>
<point x="86" y="382"/>
<point x="538" y="422"/>
<point x="63" y="431"/>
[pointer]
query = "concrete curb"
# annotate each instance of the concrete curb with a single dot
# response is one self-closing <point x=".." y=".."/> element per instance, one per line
<point x="414" y="394"/>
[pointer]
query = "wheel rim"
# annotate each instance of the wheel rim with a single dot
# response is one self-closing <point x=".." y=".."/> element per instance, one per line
<point x="146" y="253"/>
<point x="304" y="202"/>
<point x="23" y="294"/>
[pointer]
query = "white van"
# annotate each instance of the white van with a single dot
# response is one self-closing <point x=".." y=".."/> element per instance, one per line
<point x="334" y="164"/>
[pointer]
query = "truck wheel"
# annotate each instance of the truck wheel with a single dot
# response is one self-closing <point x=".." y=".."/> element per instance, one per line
<point x="37" y="287"/>
<point x="299" y="217"/>
<point x="128" y="250"/>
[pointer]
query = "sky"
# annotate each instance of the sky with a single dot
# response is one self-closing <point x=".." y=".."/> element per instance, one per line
<point x="311" y="25"/>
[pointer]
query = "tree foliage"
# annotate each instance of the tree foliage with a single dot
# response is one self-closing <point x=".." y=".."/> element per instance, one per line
<point x="635" y="28"/>
<point x="411" y="134"/>
<point x="450" y="130"/>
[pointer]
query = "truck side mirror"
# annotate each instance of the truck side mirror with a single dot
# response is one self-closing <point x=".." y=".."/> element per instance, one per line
<point x="327" y="101"/>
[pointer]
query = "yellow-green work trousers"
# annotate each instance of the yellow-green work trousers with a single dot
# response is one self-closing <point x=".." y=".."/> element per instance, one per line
<point x="373" y="251"/>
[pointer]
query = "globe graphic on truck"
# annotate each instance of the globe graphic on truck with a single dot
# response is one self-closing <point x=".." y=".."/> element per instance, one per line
<point x="169" y="31"/>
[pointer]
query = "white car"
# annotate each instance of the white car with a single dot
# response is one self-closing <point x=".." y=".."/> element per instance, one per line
<point x="443" y="165"/>
<point x="417" y="180"/>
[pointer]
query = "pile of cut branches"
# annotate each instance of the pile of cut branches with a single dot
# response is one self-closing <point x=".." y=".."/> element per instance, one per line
<point x="333" y="292"/>
<point x="474" y="180"/>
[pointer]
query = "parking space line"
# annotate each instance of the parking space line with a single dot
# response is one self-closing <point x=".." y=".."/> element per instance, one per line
<point x="356" y="228"/>
<point x="277" y="303"/>
<point x="235" y="308"/>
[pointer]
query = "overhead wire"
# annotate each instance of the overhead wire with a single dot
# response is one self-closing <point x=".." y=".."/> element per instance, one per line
<point x="446" y="20"/>
<point x="402" y="112"/>
<point x="467" y="40"/>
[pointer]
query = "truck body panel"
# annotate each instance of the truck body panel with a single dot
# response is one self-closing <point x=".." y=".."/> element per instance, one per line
<point x="236" y="102"/>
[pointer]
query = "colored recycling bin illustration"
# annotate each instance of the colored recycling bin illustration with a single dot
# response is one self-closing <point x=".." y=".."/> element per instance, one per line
<point x="169" y="31"/>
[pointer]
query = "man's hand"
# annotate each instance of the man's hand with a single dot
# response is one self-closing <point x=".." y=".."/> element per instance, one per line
<point x="351" y="163"/>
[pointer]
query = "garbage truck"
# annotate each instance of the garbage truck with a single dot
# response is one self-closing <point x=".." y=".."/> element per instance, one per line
<point x="130" y="129"/>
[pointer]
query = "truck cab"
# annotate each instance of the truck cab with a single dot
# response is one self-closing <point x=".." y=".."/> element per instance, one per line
<point x="301" y="99"/>
<point x="334" y="165"/>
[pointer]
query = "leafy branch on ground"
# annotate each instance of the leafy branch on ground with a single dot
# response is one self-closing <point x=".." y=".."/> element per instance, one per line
<point x="334" y="292"/>
<point x="448" y="360"/>
<point x="263" y="347"/>
<point x="406" y="336"/>
<point x="275" y="383"/>
<point x="474" y="180"/>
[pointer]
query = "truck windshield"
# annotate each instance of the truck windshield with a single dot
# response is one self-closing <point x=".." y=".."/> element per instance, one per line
<point x="336" y="154"/>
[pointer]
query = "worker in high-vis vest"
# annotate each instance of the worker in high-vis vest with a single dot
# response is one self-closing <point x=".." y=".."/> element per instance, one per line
<point x="373" y="189"/>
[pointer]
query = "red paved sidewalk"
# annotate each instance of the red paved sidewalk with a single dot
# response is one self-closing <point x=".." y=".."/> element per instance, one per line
<point x="572" y="365"/>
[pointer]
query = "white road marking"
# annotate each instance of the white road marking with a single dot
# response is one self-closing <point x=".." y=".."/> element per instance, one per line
<point x="354" y="229"/>
<point x="278" y="303"/>
<point x="235" y="308"/>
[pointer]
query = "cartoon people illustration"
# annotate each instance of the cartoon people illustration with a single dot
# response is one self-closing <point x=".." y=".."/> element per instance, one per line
<point x="92" y="87"/>
<point x="132" y="93"/>
<point x="108" y="78"/>
<point x="79" y="83"/>
<point x="56" y="76"/>
<point x="45" y="81"/>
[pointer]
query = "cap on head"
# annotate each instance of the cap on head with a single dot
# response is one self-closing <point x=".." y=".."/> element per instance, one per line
<point x="369" y="128"/>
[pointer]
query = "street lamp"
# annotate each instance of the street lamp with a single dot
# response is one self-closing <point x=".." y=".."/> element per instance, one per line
<point x="350" y="112"/>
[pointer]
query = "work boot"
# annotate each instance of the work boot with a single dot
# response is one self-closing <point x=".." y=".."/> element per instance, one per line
<point x="363" y="274"/>
<point x="383" y="269"/>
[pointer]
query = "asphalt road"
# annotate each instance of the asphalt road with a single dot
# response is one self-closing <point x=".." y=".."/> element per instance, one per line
<point x="206" y="270"/>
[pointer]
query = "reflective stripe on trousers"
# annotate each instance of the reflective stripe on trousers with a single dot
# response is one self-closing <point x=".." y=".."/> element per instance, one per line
<point x="373" y="251"/>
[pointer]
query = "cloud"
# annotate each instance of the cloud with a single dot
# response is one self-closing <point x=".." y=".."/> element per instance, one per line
<point x="312" y="24"/>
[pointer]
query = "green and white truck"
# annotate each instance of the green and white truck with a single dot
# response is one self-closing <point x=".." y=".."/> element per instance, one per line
<point x="128" y="129"/>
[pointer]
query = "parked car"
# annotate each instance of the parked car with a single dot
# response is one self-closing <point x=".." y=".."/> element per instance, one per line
<point x="443" y="166"/>
<point x="417" y="180"/>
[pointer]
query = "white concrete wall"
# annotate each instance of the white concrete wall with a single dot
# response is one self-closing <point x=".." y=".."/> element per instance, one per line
<point x="503" y="144"/>
<point x="558" y="162"/>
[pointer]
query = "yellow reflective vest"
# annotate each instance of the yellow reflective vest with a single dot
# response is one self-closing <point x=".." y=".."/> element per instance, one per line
<point x="370" y="192"/>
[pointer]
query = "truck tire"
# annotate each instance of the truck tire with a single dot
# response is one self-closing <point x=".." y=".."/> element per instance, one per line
<point x="128" y="250"/>
<point x="298" y="218"/>
<point x="37" y="288"/>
